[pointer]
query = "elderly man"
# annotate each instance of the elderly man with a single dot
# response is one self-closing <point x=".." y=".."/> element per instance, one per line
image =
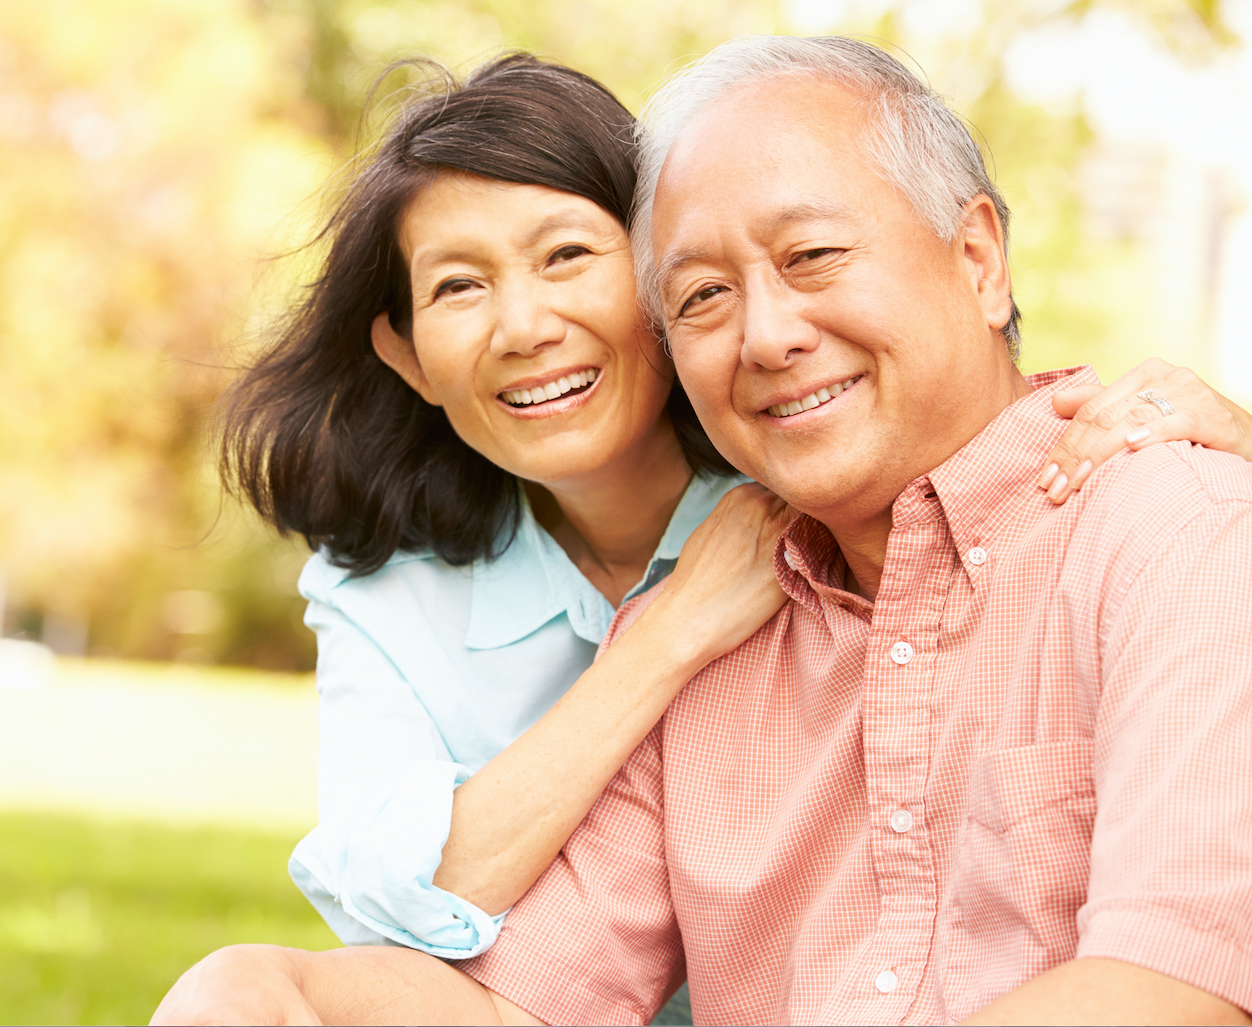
<point x="992" y="759"/>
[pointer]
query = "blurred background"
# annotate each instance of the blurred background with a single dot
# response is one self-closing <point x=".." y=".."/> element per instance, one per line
<point x="157" y="160"/>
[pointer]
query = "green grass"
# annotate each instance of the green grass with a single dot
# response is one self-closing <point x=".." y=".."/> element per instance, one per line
<point x="98" y="918"/>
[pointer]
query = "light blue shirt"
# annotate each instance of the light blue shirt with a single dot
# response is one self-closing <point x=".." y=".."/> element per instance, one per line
<point x="426" y="672"/>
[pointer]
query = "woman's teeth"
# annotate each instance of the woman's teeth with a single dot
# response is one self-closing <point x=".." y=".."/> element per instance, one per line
<point x="543" y="393"/>
<point x="814" y="399"/>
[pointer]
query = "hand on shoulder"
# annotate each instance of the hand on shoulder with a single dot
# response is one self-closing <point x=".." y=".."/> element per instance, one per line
<point x="1108" y="419"/>
<point x="724" y="586"/>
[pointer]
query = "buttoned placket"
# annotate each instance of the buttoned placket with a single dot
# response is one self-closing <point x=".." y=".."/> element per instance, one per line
<point x="900" y="665"/>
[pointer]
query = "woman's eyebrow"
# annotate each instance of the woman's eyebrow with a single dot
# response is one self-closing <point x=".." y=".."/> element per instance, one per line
<point x="430" y="257"/>
<point x="555" y="222"/>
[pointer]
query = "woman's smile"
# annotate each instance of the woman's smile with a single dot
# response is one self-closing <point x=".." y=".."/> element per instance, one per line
<point x="551" y="393"/>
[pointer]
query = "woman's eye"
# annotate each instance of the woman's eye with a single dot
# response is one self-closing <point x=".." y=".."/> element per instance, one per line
<point x="453" y="287"/>
<point x="707" y="293"/>
<point x="567" y="253"/>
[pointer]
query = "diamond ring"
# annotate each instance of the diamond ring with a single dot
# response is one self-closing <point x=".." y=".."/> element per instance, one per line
<point x="1150" y="396"/>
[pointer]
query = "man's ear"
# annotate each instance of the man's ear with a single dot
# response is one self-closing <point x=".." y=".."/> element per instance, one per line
<point x="397" y="352"/>
<point x="987" y="262"/>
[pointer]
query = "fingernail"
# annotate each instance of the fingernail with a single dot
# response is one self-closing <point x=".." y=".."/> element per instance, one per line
<point x="1058" y="488"/>
<point x="1080" y="475"/>
<point x="1138" y="435"/>
<point x="1049" y="472"/>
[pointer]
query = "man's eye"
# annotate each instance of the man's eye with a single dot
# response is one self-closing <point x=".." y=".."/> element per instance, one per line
<point x="453" y="287"/>
<point x="815" y="254"/>
<point x="707" y="293"/>
<point x="567" y="253"/>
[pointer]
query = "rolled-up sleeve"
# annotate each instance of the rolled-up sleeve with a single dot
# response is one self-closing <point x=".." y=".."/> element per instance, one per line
<point x="385" y="786"/>
<point x="596" y="939"/>
<point x="1171" y="854"/>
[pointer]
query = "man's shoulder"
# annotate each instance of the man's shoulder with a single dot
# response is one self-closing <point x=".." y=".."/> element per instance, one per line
<point x="1167" y="481"/>
<point x="1181" y="467"/>
<point x="1138" y="505"/>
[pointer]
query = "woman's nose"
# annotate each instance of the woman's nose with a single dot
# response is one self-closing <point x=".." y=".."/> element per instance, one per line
<point x="526" y="320"/>
<point x="774" y="329"/>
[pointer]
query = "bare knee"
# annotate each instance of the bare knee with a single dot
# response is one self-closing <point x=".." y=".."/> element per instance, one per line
<point x="240" y="984"/>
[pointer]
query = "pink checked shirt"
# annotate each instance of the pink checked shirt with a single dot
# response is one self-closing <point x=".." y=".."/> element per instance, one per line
<point x="1035" y="745"/>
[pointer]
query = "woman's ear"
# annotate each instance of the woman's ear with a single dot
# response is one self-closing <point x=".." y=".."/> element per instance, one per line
<point x="397" y="352"/>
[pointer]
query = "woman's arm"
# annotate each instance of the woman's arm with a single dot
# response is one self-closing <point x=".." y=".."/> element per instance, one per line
<point x="1108" y="419"/>
<point x="386" y="777"/>
<point x="511" y="818"/>
<point x="1092" y="990"/>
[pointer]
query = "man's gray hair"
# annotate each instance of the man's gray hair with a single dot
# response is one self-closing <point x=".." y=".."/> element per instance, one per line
<point x="921" y="145"/>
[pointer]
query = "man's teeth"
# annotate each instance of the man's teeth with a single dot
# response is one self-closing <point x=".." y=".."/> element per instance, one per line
<point x="814" y="399"/>
<point x="543" y="393"/>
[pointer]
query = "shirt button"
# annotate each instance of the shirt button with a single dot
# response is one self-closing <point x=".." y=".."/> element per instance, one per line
<point x="901" y="821"/>
<point x="977" y="556"/>
<point x="902" y="652"/>
<point x="886" y="981"/>
<point x="791" y="560"/>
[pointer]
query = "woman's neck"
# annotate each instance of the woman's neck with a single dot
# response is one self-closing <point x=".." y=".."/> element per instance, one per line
<point x="609" y="523"/>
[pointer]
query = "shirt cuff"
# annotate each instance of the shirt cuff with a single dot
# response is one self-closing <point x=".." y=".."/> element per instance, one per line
<point x="1201" y="957"/>
<point x="553" y="995"/>
<point x="374" y="881"/>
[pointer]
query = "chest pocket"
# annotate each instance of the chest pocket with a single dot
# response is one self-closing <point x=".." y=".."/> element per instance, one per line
<point x="1019" y="872"/>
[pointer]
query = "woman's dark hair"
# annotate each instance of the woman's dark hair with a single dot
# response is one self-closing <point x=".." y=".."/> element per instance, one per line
<point x="319" y="434"/>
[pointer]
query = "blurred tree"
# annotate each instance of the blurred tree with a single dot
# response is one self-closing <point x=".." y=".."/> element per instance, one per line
<point x="143" y="167"/>
<point x="152" y="154"/>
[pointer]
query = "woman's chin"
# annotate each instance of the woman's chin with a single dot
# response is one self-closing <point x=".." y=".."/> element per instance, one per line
<point x="561" y="467"/>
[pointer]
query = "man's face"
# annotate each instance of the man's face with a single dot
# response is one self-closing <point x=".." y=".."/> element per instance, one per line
<point x="833" y="346"/>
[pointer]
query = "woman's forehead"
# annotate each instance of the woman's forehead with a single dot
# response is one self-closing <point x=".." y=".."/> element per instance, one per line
<point x="459" y="210"/>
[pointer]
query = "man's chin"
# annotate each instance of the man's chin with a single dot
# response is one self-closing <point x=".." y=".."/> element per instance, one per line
<point x="819" y="492"/>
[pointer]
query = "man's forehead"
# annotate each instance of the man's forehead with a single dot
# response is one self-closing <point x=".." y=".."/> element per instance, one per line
<point x="799" y="106"/>
<point x="804" y="130"/>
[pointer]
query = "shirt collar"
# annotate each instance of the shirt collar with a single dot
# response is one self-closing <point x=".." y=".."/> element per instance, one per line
<point x="534" y="580"/>
<point x="973" y="488"/>
<point x="975" y="485"/>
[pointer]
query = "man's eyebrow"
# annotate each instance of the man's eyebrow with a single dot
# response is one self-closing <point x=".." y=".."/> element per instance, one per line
<point x="811" y="210"/>
<point x="669" y="266"/>
<point x="796" y="213"/>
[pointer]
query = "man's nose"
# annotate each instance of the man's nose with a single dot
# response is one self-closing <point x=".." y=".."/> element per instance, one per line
<point x="774" y="330"/>
<point x="526" y="320"/>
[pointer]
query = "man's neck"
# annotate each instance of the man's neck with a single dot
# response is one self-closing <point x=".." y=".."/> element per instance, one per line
<point x="863" y="536"/>
<point x="610" y="523"/>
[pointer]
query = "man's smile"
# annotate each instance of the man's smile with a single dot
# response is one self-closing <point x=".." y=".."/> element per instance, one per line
<point x="789" y="408"/>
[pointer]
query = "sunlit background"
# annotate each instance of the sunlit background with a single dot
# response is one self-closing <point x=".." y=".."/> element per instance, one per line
<point x="158" y="158"/>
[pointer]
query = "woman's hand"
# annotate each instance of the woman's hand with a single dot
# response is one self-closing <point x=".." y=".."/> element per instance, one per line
<point x="511" y="818"/>
<point x="724" y="587"/>
<point x="1107" y="420"/>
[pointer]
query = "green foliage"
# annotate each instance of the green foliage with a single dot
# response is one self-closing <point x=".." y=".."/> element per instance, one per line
<point x="98" y="919"/>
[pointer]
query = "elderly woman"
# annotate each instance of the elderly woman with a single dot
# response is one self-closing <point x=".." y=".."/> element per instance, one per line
<point x="482" y="437"/>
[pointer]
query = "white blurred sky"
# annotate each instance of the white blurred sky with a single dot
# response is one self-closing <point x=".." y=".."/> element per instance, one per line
<point x="1134" y="92"/>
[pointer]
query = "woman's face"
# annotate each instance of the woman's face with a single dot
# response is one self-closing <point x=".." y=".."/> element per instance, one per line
<point x="526" y="328"/>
